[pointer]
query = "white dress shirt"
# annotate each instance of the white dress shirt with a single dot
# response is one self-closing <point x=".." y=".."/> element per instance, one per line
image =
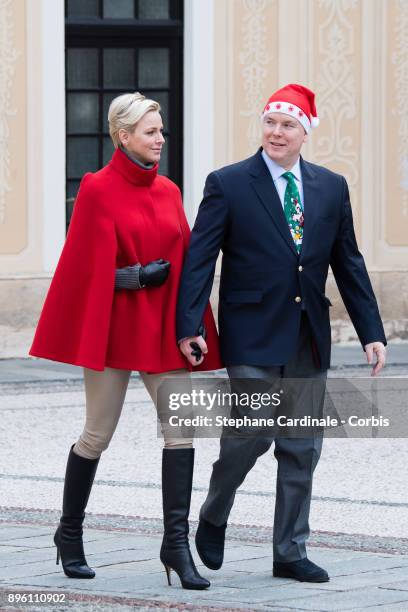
<point x="281" y="183"/>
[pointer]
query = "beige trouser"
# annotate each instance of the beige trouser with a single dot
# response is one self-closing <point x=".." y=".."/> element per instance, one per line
<point x="105" y="394"/>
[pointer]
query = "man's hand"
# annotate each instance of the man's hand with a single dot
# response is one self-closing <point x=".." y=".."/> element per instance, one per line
<point x="194" y="349"/>
<point x="379" y="350"/>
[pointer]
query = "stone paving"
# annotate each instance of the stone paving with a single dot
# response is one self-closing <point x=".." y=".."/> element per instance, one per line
<point x="359" y="510"/>
<point x="129" y="575"/>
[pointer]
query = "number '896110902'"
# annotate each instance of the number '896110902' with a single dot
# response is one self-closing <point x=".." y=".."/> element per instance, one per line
<point x="36" y="597"/>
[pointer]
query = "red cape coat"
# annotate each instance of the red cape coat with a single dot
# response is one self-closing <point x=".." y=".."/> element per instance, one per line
<point x="123" y="215"/>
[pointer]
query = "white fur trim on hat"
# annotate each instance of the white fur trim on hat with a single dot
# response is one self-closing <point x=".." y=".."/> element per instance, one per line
<point x="293" y="111"/>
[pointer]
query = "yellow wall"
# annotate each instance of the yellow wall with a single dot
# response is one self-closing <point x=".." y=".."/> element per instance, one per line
<point x="13" y="129"/>
<point x="353" y="54"/>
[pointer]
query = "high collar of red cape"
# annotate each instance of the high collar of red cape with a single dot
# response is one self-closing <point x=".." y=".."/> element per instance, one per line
<point x="132" y="171"/>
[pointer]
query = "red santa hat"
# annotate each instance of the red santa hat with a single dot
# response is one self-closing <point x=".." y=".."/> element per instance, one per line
<point x="296" y="101"/>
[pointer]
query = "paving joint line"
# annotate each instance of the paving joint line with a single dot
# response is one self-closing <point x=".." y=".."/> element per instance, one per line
<point x="251" y="534"/>
<point x="152" y="485"/>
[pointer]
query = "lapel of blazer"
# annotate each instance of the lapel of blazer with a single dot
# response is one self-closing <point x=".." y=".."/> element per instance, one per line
<point x="266" y="191"/>
<point x="311" y="199"/>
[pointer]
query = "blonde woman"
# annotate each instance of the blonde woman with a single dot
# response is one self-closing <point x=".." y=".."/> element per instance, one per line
<point x="111" y="309"/>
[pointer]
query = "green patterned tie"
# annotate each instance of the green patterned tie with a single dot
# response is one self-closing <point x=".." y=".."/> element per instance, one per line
<point x="293" y="210"/>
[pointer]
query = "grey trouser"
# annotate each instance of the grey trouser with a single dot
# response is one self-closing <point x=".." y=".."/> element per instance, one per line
<point x="105" y="394"/>
<point x="297" y="457"/>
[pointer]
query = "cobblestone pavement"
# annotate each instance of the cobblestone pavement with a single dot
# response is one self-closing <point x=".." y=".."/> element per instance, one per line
<point x="359" y="510"/>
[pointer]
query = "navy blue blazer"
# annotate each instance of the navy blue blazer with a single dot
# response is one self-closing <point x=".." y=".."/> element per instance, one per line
<point x="262" y="276"/>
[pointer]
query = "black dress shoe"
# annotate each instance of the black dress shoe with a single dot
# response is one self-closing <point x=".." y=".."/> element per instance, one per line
<point x="210" y="541"/>
<point x="302" y="570"/>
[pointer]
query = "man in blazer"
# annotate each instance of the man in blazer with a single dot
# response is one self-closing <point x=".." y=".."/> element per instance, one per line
<point x="280" y="222"/>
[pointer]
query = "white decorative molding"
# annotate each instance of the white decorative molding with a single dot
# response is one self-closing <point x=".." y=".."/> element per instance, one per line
<point x="8" y="57"/>
<point x="336" y="86"/>
<point x="53" y="129"/>
<point x="346" y="4"/>
<point x="384" y="144"/>
<point x="198" y="101"/>
<point x="254" y="60"/>
<point x="371" y="166"/>
<point x="400" y="106"/>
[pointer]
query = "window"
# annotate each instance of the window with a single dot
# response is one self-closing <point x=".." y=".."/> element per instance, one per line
<point x="112" y="47"/>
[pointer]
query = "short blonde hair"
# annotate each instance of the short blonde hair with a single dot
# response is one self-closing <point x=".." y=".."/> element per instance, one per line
<point x="126" y="110"/>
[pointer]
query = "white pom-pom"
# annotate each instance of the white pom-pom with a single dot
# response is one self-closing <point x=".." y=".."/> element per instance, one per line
<point x="314" y="122"/>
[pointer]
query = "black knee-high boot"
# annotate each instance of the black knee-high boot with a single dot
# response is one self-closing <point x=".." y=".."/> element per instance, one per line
<point x="79" y="477"/>
<point x="177" y="479"/>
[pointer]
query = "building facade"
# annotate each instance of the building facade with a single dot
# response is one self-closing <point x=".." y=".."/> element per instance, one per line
<point x="231" y="55"/>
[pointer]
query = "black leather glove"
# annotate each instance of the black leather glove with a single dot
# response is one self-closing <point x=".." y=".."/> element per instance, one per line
<point x="154" y="273"/>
